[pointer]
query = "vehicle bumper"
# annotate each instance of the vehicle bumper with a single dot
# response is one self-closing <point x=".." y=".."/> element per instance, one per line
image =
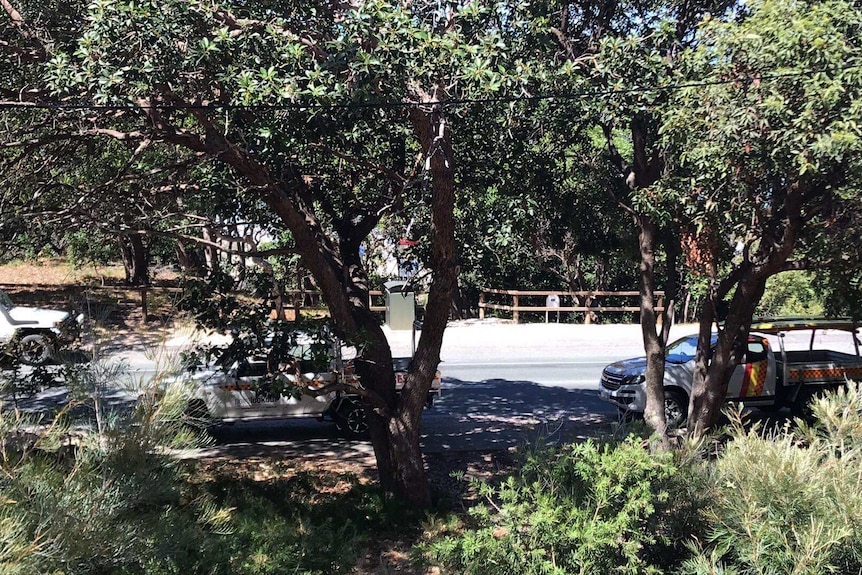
<point x="69" y="329"/>
<point x="630" y="398"/>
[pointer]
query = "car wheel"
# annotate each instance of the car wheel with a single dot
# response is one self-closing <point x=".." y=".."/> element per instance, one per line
<point x="350" y="418"/>
<point x="196" y="411"/>
<point x="675" y="408"/>
<point x="35" y="349"/>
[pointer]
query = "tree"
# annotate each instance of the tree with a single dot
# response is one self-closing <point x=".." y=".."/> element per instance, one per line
<point x="627" y="50"/>
<point x="316" y="108"/>
<point x="768" y="135"/>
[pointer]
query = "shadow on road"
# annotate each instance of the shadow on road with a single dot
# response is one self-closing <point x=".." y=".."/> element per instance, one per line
<point x="500" y="414"/>
<point x="489" y="415"/>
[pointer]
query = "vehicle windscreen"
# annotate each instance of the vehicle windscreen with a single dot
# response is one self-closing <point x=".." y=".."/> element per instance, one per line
<point x="682" y="350"/>
<point x="5" y="301"/>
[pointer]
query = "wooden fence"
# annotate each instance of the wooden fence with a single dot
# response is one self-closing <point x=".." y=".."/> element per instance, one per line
<point x="589" y="299"/>
<point x="293" y="299"/>
<point x="522" y="301"/>
<point x="312" y="299"/>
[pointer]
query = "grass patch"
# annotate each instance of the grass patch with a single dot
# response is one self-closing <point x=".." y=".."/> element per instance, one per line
<point x="57" y="272"/>
<point x="312" y="522"/>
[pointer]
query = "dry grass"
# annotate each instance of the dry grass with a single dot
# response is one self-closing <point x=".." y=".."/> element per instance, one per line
<point x="59" y="272"/>
<point x="56" y="272"/>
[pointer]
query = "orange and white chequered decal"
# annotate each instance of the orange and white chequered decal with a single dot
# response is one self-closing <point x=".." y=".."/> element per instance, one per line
<point x="825" y="373"/>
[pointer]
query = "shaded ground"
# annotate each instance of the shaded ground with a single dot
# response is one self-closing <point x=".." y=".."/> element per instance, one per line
<point x="464" y="440"/>
<point x="450" y="476"/>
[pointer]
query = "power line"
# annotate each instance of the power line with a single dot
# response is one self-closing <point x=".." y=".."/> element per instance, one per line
<point x="568" y="96"/>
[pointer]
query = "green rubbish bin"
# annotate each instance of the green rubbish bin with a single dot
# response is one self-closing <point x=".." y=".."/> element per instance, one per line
<point x="400" y="305"/>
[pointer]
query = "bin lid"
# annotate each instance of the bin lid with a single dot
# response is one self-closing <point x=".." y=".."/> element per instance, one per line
<point x="397" y="286"/>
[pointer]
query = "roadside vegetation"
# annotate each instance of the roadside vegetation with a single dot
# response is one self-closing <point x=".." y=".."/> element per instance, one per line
<point x="114" y="497"/>
<point x="747" y="501"/>
<point x="709" y="150"/>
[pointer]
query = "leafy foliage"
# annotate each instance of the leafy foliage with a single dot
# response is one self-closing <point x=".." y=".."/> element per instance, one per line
<point x="585" y="508"/>
<point x="792" y="294"/>
<point x="790" y="502"/>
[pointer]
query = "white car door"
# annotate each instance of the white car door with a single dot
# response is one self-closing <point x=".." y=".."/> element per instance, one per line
<point x="7" y="330"/>
<point x="754" y="377"/>
<point x="253" y="396"/>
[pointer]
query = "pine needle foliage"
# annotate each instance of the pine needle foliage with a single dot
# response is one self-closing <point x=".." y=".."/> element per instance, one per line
<point x="105" y="499"/>
<point x="589" y="508"/>
<point x="789" y="501"/>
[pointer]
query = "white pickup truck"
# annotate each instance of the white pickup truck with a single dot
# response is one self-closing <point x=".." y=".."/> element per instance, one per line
<point x="764" y="378"/>
<point x="34" y="334"/>
<point x="245" y="388"/>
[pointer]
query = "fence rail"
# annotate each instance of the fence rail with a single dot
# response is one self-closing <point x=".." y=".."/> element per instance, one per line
<point x="522" y="301"/>
<point x="587" y="297"/>
<point x="296" y="299"/>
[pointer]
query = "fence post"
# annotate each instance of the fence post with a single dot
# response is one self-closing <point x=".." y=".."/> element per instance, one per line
<point x="481" y="305"/>
<point x="515" y="311"/>
<point x="144" y="314"/>
<point x="658" y="314"/>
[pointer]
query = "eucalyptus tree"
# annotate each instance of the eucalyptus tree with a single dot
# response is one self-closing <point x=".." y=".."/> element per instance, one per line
<point x="770" y="137"/>
<point x="625" y="53"/>
<point x="330" y="114"/>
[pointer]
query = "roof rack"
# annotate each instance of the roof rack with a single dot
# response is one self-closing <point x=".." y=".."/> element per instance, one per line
<point x="766" y="325"/>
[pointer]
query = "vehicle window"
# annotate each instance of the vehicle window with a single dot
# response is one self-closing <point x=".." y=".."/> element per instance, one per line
<point x="5" y="301"/>
<point x="756" y="352"/>
<point x="683" y="350"/>
<point x="251" y="369"/>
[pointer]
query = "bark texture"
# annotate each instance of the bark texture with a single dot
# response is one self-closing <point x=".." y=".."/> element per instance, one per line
<point x="779" y="234"/>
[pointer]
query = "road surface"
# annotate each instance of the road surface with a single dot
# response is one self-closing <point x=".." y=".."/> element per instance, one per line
<point x="503" y="385"/>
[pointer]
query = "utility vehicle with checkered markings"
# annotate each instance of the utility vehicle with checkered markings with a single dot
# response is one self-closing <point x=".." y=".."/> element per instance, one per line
<point x="765" y="378"/>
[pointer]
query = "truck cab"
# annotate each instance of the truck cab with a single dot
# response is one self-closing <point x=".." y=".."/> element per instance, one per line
<point x="765" y="378"/>
<point x="753" y="381"/>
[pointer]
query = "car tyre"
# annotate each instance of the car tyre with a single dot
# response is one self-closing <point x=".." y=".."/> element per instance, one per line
<point x="35" y="349"/>
<point x="801" y="408"/>
<point x="675" y="408"/>
<point x="350" y="418"/>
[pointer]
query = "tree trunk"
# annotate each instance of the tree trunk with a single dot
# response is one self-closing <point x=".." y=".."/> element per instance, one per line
<point x="210" y="252"/>
<point x="645" y="172"/>
<point x="434" y="135"/>
<point x="712" y="374"/>
<point x="710" y="391"/>
<point x="343" y="282"/>
<point x="187" y="259"/>
<point x="135" y="259"/>
<point x="654" y="345"/>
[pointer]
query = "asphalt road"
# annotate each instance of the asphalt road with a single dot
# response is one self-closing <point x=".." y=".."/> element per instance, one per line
<point x="503" y="385"/>
<point x="483" y="407"/>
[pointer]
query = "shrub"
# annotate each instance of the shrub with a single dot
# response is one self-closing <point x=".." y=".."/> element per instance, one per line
<point x="791" y="501"/>
<point x="586" y="508"/>
<point x="105" y="500"/>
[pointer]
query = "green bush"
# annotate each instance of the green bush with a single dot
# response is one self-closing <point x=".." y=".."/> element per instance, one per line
<point x="108" y="499"/>
<point x="790" y="294"/>
<point x="791" y="501"/>
<point x="586" y="508"/>
<point x="109" y="496"/>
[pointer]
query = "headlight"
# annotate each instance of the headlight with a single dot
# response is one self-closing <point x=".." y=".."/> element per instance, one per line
<point x="634" y="379"/>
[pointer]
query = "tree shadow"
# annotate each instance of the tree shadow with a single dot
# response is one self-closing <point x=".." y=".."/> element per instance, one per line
<point x="502" y="414"/>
